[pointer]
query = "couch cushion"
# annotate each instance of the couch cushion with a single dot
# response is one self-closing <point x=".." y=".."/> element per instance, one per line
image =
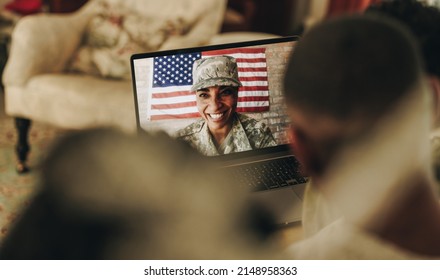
<point x="117" y="31"/>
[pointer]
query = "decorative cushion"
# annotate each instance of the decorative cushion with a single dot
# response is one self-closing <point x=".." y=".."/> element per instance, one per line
<point x="115" y="33"/>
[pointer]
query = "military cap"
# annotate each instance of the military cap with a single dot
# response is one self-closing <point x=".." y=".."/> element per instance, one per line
<point x="215" y="71"/>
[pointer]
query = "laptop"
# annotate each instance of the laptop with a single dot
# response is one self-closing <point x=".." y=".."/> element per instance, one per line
<point x="164" y="101"/>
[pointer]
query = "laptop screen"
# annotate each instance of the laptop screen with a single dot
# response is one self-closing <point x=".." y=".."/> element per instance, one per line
<point x="174" y="96"/>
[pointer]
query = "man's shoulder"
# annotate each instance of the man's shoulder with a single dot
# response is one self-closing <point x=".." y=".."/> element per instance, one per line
<point x="191" y="129"/>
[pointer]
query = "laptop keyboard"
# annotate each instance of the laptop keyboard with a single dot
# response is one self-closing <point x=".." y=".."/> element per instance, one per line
<point x="267" y="175"/>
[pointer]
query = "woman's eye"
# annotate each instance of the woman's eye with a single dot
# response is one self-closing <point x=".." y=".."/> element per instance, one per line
<point x="226" y="92"/>
<point x="203" y="95"/>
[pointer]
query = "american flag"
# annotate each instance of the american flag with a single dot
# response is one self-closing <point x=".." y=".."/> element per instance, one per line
<point x="172" y="80"/>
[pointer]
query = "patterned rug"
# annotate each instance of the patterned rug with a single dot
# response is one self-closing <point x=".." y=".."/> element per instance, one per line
<point x="15" y="189"/>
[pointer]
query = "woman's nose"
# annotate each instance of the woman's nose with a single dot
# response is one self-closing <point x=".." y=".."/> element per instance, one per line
<point x="215" y="103"/>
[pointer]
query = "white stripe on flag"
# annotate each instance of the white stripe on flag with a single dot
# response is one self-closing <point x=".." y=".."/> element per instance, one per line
<point x="175" y="111"/>
<point x="253" y="104"/>
<point x="253" y="93"/>
<point x="254" y="83"/>
<point x="241" y="55"/>
<point x="252" y="74"/>
<point x="171" y="89"/>
<point x="173" y="100"/>
<point x="251" y="64"/>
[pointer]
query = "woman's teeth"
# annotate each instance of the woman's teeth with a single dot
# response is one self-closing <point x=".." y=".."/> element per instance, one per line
<point x="216" y="116"/>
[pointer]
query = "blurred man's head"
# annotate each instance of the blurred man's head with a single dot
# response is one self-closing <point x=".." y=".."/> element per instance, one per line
<point x="424" y="22"/>
<point x="105" y="194"/>
<point x="342" y="77"/>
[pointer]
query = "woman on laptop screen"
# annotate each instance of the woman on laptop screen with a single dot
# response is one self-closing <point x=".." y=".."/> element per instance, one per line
<point x="221" y="129"/>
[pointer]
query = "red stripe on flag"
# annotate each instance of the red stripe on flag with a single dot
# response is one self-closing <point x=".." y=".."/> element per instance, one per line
<point x="253" y="98"/>
<point x="173" y="106"/>
<point x="252" y="69"/>
<point x="254" y="88"/>
<point x="252" y="109"/>
<point x="253" y="79"/>
<point x="251" y="60"/>
<point x="177" y="116"/>
<point x="171" y="94"/>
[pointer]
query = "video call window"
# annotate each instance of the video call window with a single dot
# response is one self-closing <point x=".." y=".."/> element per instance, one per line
<point x="165" y="100"/>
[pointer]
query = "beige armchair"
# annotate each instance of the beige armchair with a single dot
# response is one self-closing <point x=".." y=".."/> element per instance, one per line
<point x="38" y="86"/>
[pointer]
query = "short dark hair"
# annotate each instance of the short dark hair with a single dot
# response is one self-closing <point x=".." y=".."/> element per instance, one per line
<point x="352" y="65"/>
<point x="423" y="20"/>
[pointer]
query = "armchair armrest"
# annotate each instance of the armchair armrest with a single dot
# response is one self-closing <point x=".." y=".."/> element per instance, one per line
<point x="43" y="43"/>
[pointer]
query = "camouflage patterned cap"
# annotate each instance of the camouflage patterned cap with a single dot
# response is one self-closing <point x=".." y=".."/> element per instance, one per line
<point x="215" y="71"/>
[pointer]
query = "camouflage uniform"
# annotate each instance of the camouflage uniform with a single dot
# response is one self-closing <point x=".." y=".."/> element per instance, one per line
<point x="246" y="134"/>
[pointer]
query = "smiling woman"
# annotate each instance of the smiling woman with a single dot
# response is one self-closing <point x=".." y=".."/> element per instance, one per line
<point x="222" y="130"/>
<point x="217" y="105"/>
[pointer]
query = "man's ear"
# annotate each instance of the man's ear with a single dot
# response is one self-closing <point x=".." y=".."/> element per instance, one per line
<point x="434" y="82"/>
<point x="301" y="149"/>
